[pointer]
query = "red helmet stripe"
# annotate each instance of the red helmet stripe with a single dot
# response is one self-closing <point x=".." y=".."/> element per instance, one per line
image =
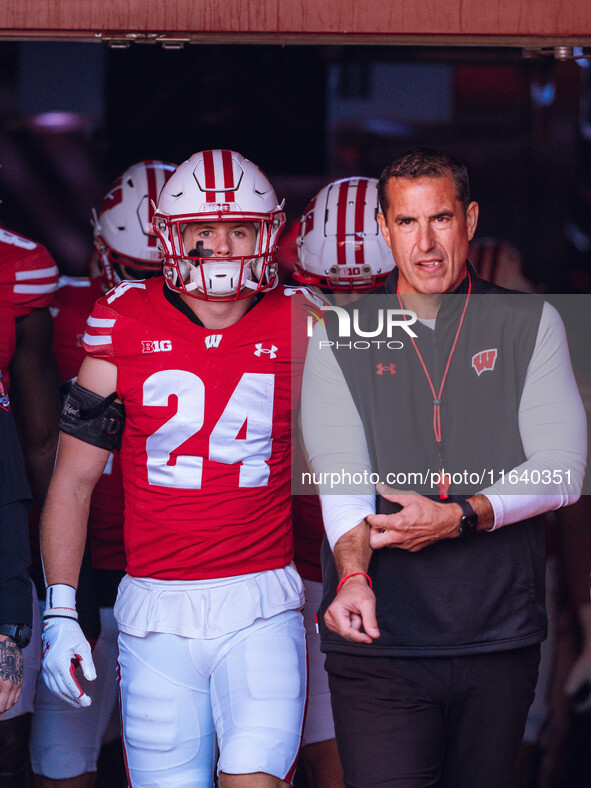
<point x="209" y="170"/>
<point x="151" y="176"/>
<point x="309" y="217"/>
<point x="113" y="197"/>
<point x="342" y="224"/>
<point x="359" y="215"/>
<point x="228" y="175"/>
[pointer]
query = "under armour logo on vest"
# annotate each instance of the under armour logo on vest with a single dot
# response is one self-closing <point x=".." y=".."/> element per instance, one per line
<point x="271" y="352"/>
<point x="485" y="360"/>
<point x="381" y="368"/>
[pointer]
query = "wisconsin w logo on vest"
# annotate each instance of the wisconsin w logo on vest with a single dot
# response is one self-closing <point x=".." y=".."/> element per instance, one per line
<point x="485" y="360"/>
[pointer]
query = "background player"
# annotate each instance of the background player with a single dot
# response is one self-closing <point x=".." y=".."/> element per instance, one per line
<point x="211" y="641"/>
<point x="28" y="279"/>
<point x="16" y="600"/>
<point x="342" y="252"/>
<point x="65" y="742"/>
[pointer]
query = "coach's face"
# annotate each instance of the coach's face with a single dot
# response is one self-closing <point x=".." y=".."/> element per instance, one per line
<point x="428" y="231"/>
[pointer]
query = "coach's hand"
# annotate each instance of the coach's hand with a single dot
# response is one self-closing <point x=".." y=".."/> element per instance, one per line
<point x="419" y="523"/>
<point x="352" y="614"/>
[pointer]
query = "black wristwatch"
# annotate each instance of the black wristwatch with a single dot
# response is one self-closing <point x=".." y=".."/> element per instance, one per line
<point x="469" y="521"/>
<point x="20" y="633"/>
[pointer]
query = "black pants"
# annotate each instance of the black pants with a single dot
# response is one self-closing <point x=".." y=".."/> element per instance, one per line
<point x="450" y="722"/>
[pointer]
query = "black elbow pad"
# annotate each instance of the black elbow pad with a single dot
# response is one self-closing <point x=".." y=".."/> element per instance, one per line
<point x="92" y="418"/>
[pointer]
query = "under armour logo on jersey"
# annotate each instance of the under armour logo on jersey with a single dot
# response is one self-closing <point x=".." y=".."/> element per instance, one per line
<point x="213" y="340"/>
<point x="260" y="350"/>
<point x="156" y="346"/>
<point x="485" y="360"/>
<point x="381" y="368"/>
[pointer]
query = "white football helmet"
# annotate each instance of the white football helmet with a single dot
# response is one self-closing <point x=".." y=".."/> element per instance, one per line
<point x="340" y="246"/>
<point x="123" y="233"/>
<point x="219" y="186"/>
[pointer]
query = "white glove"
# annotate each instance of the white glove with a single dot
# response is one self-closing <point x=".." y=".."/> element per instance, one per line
<point x="64" y="645"/>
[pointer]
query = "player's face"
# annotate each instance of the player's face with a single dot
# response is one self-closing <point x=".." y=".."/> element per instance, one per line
<point x="219" y="239"/>
<point x="428" y="232"/>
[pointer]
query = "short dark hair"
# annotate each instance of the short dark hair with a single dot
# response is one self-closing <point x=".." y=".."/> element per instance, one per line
<point x="418" y="162"/>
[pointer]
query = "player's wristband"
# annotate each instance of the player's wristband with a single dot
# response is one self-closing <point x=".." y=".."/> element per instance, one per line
<point x="60" y="602"/>
<point x="344" y="580"/>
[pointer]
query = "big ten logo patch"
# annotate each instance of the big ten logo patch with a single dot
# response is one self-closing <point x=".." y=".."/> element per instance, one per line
<point x="156" y="346"/>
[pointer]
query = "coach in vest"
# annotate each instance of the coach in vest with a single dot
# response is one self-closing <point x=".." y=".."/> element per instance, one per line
<point x="444" y="414"/>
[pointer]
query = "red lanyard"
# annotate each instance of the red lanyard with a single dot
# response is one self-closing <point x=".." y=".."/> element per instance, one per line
<point x="443" y="483"/>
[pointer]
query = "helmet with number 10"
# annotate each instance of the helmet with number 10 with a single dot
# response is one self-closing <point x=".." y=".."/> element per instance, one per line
<point x="123" y="233"/>
<point x="340" y="246"/>
<point x="221" y="190"/>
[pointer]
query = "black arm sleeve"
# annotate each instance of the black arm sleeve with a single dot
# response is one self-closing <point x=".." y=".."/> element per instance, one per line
<point x="92" y="418"/>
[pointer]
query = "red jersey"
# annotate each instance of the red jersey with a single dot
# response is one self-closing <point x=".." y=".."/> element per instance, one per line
<point x="308" y="527"/>
<point x="70" y="308"/>
<point x="308" y="531"/>
<point x="28" y="279"/>
<point x="206" y="452"/>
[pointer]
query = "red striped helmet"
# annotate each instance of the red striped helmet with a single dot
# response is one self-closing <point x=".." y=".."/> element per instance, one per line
<point x="123" y="233"/>
<point x="340" y="246"/>
<point x="219" y="186"/>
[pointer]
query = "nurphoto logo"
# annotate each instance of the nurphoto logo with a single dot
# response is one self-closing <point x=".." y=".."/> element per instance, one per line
<point x="386" y="321"/>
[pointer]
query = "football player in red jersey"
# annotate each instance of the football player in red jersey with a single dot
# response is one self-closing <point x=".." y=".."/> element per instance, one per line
<point x="65" y="742"/>
<point x="197" y="367"/>
<point x="28" y="278"/>
<point x="342" y="252"/>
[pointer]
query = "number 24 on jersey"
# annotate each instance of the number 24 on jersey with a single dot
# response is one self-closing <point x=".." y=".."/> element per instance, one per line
<point x="250" y="402"/>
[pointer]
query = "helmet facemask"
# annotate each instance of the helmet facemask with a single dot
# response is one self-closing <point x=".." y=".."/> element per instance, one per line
<point x="116" y="267"/>
<point x="199" y="273"/>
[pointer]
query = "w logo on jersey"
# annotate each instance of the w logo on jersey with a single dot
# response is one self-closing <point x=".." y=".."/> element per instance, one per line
<point x="260" y="350"/>
<point x="213" y="340"/>
<point x="485" y="360"/>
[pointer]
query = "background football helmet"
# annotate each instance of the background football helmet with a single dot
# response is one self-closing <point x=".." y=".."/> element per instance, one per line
<point x="340" y="246"/>
<point x="219" y="186"/>
<point x="123" y="233"/>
